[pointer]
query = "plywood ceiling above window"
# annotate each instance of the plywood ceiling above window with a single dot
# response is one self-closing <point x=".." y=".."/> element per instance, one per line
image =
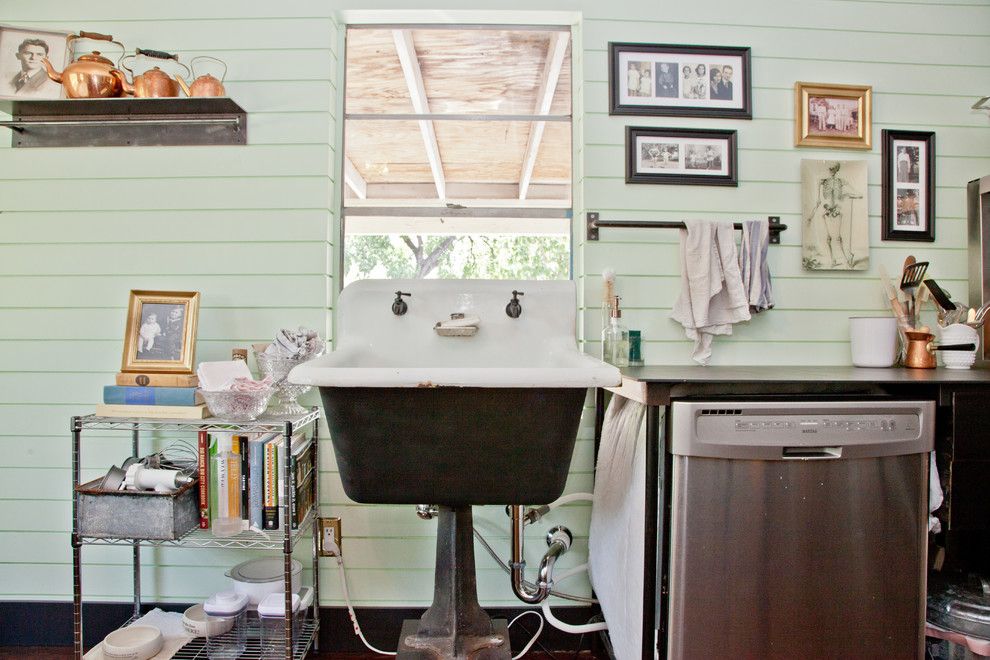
<point x="504" y="72"/>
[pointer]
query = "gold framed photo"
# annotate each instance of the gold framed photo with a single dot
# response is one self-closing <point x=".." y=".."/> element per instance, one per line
<point x="838" y="116"/>
<point x="161" y="332"/>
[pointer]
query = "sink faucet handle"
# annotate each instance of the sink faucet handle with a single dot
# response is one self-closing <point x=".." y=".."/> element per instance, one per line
<point x="399" y="306"/>
<point x="514" y="309"/>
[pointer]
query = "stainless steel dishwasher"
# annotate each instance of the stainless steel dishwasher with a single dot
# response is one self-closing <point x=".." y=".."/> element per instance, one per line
<point x="798" y="529"/>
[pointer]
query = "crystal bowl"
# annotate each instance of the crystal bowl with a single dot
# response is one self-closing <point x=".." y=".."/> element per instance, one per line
<point x="286" y="393"/>
<point x="233" y="406"/>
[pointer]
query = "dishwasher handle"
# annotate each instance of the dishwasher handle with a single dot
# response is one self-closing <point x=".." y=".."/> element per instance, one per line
<point x="810" y="453"/>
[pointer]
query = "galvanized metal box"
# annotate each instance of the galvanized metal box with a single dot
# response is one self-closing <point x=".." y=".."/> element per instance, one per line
<point x="137" y="514"/>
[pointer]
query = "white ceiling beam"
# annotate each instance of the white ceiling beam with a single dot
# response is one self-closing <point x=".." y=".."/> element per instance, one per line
<point x="470" y="194"/>
<point x="417" y="93"/>
<point x="354" y="180"/>
<point x="544" y="99"/>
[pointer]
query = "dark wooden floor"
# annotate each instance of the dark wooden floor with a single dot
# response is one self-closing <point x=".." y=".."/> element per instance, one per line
<point x="65" y="653"/>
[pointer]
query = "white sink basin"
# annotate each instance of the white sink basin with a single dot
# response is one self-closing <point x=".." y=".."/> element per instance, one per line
<point x="376" y="348"/>
<point x="416" y="417"/>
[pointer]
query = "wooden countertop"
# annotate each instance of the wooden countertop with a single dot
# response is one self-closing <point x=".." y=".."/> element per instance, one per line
<point x="656" y="385"/>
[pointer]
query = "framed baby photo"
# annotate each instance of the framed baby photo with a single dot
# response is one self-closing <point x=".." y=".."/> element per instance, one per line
<point x="161" y="332"/>
<point x="908" y="173"/>
<point x="832" y="115"/>
<point x="22" y="73"/>
<point x="667" y="80"/>
<point x="683" y="156"/>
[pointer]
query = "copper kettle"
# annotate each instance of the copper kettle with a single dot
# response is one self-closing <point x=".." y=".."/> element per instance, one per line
<point x="204" y="85"/>
<point x="921" y="350"/>
<point x="89" y="76"/>
<point x="153" y="83"/>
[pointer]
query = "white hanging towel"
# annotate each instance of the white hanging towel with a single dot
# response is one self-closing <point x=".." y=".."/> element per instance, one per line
<point x="712" y="296"/>
<point x="617" y="534"/>
<point x="753" y="265"/>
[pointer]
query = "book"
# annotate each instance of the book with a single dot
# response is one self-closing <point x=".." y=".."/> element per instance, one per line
<point x="151" y="396"/>
<point x="256" y="480"/>
<point x="269" y="512"/>
<point x="245" y="476"/>
<point x="157" y="380"/>
<point x="204" y="479"/>
<point x="300" y="477"/>
<point x="155" y="412"/>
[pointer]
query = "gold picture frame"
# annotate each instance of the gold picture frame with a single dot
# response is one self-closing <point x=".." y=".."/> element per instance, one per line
<point x="161" y="332"/>
<point x="837" y="116"/>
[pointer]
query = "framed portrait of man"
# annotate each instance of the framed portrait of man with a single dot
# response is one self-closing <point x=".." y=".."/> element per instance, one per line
<point x="22" y="74"/>
<point x="161" y="332"/>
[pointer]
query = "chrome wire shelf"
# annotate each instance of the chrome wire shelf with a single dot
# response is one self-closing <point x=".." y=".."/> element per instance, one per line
<point x="203" y="538"/>
<point x="195" y="649"/>
<point x="264" y="424"/>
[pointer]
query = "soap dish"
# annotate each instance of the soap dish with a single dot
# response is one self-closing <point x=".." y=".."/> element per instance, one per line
<point x="464" y="331"/>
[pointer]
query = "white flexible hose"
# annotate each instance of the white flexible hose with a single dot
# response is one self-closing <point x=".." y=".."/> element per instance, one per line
<point x="561" y="625"/>
<point x="572" y="497"/>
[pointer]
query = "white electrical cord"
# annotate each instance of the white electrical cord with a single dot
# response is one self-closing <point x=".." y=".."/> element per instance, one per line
<point x="572" y="497"/>
<point x="350" y="609"/>
<point x="535" y="636"/>
<point x="561" y="625"/>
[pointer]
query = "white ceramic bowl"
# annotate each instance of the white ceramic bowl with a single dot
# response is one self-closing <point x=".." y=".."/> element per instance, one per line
<point x="958" y="333"/>
<point x="198" y="623"/>
<point x="133" y="643"/>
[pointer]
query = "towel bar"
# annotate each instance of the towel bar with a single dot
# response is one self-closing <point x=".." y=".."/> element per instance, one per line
<point x="593" y="224"/>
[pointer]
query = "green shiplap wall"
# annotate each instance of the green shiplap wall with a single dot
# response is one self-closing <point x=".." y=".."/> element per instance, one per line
<point x="253" y="229"/>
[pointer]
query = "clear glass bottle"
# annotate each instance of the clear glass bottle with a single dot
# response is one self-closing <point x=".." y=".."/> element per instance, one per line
<point x="615" y="338"/>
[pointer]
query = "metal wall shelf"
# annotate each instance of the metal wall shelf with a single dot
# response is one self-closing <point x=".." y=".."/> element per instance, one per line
<point x="122" y="122"/>
<point x="283" y="540"/>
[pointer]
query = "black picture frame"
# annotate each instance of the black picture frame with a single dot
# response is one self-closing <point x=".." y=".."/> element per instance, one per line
<point x="676" y="102"/>
<point x="908" y="175"/>
<point x="688" y="160"/>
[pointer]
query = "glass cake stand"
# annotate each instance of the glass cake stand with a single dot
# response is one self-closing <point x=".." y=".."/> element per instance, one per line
<point x="284" y="401"/>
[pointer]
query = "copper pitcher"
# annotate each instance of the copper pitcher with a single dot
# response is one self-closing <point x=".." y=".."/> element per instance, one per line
<point x="153" y="83"/>
<point x="204" y="85"/>
<point x="89" y="76"/>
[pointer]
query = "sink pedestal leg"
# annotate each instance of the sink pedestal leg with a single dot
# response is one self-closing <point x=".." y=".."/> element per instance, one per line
<point x="455" y="626"/>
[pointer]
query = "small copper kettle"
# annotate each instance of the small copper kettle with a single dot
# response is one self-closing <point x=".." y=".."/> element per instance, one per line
<point x="89" y="76"/>
<point x="921" y="350"/>
<point x="153" y="83"/>
<point x="204" y="85"/>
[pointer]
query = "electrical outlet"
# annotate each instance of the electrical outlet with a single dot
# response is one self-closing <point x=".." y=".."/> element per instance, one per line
<point x="329" y="531"/>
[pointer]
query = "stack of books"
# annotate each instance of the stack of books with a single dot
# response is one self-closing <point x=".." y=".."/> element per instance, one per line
<point x="241" y="476"/>
<point x="160" y="396"/>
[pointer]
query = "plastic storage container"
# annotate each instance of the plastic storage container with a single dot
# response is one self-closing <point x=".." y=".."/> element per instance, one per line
<point x="271" y="614"/>
<point x="231" y="607"/>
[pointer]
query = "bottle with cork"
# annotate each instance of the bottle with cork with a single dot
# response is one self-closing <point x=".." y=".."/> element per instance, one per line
<point x="615" y="338"/>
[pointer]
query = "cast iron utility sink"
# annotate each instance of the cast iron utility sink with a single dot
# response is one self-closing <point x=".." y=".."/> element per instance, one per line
<point x="416" y="417"/>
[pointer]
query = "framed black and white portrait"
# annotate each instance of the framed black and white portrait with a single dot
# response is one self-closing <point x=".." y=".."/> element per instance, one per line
<point x="908" y="171"/>
<point x="161" y="332"/>
<point x="681" y="156"/>
<point x="22" y="74"/>
<point x="667" y="80"/>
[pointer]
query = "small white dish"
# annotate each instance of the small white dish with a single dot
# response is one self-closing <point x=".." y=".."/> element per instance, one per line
<point x="133" y="643"/>
<point x="198" y="623"/>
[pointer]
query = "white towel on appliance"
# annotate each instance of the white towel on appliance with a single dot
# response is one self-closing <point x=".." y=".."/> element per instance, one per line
<point x="753" y="266"/>
<point x="712" y="296"/>
<point x="616" y="537"/>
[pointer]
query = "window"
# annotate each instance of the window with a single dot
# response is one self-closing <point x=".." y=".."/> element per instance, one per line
<point x="457" y="153"/>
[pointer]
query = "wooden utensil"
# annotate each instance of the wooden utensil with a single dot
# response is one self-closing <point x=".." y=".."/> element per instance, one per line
<point x="895" y="303"/>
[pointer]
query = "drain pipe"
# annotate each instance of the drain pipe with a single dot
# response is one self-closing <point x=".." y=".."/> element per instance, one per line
<point x="559" y="541"/>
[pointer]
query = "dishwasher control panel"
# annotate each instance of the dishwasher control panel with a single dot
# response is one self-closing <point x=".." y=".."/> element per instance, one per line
<point x="713" y="428"/>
